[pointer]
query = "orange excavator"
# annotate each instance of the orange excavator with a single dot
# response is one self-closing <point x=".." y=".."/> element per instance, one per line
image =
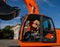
<point x="37" y="29"/>
<point x="47" y="34"/>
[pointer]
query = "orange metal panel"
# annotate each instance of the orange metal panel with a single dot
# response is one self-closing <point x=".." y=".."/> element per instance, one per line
<point x="42" y="44"/>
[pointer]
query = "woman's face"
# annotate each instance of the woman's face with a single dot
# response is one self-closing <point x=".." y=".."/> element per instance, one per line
<point x="35" y="24"/>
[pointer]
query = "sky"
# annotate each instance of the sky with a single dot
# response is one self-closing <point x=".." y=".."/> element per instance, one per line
<point x="49" y="8"/>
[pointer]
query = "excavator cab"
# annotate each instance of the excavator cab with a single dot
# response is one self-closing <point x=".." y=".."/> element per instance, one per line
<point x="44" y="31"/>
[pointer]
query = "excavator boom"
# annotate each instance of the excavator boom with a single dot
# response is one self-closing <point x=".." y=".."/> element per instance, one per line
<point x="31" y="6"/>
